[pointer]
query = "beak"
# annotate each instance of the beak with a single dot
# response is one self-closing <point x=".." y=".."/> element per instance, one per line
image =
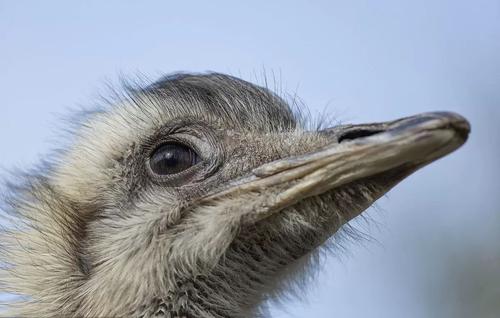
<point x="356" y="152"/>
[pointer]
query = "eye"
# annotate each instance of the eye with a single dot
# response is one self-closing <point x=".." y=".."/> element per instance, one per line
<point x="172" y="158"/>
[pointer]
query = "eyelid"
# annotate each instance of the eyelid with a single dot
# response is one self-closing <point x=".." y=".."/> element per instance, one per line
<point x="198" y="145"/>
<point x="182" y="139"/>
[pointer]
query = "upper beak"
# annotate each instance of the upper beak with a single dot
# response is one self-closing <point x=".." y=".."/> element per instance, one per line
<point x="355" y="152"/>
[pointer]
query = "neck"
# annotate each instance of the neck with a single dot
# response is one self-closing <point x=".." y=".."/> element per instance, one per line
<point x="249" y="273"/>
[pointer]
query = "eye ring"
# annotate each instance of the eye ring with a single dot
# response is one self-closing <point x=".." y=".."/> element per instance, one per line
<point x="172" y="158"/>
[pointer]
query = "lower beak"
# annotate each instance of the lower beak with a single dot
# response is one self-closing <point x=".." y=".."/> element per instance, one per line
<point x="355" y="153"/>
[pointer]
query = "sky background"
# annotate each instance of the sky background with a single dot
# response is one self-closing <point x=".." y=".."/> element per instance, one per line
<point x="435" y="239"/>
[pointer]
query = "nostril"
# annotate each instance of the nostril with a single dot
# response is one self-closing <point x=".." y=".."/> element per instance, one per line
<point x="358" y="133"/>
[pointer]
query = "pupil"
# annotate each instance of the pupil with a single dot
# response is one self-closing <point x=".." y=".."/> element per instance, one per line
<point x="172" y="158"/>
<point x="169" y="158"/>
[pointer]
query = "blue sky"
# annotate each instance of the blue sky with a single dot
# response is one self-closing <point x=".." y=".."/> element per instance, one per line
<point x="360" y="60"/>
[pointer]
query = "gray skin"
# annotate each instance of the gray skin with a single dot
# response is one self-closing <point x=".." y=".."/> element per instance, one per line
<point x="100" y="233"/>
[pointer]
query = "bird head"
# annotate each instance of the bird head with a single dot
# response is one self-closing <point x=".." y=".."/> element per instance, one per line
<point x="198" y="193"/>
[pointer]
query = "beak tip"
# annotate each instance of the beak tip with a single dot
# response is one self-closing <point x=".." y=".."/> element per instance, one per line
<point x="456" y="122"/>
<point x="435" y="121"/>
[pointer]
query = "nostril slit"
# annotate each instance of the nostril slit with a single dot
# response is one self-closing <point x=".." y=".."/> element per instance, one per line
<point x="360" y="133"/>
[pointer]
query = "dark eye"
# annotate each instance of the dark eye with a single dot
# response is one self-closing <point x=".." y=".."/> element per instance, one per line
<point x="172" y="158"/>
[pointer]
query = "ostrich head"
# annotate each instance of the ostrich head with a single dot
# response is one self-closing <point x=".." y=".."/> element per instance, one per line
<point x="194" y="197"/>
